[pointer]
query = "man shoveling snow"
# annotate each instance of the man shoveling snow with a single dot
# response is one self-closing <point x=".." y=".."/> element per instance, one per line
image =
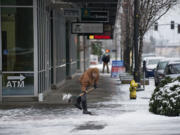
<point x="89" y="78"/>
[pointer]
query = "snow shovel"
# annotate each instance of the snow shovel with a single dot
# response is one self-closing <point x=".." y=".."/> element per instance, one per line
<point x="72" y="99"/>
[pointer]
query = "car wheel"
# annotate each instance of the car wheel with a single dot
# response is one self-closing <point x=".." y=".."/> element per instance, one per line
<point x="156" y="83"/>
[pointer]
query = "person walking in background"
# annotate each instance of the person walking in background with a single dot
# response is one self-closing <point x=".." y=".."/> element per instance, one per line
<point x="106" y="60"/>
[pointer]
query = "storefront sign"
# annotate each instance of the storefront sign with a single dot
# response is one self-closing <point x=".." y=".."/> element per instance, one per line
<point x="18" y="84"/>
<point x="87" y="28"/>
<point x="89" y="15"/>
<point x="117" y="68"/>
<point x="15" y="81"/>
<point x="72" y="12"/>
<point x="99" y="37"/>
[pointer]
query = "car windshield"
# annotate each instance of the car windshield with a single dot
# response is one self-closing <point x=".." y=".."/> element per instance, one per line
<point x="174" y="69"/>
<point x="153" y="62"/>
<point x="162" y="65"/>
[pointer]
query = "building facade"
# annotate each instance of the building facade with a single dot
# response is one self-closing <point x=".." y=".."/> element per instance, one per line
<point x="37" y="49"/>
<point x="164" y="36"/>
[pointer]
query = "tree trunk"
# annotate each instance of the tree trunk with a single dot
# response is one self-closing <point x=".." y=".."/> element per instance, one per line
<point x="127" y="42"/>
<point x="132" y="57"/>
<point x="127" y="56"/>
<point x="135" y="37"/>
<point x="140" y="57"/>
<point x="132" y="52"/>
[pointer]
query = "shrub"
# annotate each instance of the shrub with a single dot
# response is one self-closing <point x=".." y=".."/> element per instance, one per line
<point x="165" y="99"/>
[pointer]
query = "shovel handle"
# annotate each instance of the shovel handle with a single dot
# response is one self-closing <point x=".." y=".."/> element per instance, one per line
<point x="89" y="90"/>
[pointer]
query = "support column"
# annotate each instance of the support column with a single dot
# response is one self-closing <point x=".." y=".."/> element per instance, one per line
<point x="84" y="54"/>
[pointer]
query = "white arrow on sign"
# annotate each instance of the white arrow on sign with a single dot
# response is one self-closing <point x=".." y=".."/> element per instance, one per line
<point x="21" y="77"/>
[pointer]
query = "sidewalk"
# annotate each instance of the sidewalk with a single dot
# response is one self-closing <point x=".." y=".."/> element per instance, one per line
<point x="104" y="92"/>
<point x="115" y="113"/>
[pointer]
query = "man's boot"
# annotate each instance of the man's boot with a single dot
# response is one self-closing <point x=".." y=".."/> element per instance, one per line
<point x="78" y="103"/>
<point x="84" y="104"/>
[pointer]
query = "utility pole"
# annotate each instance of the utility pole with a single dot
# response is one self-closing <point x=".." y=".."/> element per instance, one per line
<point x="136" y="36"/>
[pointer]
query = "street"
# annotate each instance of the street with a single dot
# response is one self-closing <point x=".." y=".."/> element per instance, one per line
<point x="114" y="114"/>
<point x="77" y="67"/>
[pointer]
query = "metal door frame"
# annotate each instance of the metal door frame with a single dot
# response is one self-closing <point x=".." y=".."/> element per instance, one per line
<point x="35" y="47"/>
<point x="35" y="51"/>
<point x="0" y="59"/>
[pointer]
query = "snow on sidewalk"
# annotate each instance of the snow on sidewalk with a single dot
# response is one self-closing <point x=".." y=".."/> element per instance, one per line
<point x="117" y="116"/>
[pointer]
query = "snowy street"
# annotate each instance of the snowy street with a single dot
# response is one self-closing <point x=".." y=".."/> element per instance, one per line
<point x="116" y="114"/>
<point x="89" y="67"/>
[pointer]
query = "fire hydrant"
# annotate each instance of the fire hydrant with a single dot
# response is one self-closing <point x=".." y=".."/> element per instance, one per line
<point x="132" y="89"/>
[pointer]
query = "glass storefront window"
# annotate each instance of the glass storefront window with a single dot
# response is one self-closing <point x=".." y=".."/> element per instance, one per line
<point x="17" y="39"/>
<point x="18" y="84"/>
<point x="17" y="2"/>
<point x="17" y="32"/>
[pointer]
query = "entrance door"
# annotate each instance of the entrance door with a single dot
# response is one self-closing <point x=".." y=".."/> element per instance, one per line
<point x="17" y="51"/>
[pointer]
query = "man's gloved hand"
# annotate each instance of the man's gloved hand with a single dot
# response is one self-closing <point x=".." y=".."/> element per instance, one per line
<point x="95" y="86"/>
<point x="84" y="92"/>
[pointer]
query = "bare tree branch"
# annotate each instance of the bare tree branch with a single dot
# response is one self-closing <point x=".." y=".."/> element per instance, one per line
<point x="151" y="11"/>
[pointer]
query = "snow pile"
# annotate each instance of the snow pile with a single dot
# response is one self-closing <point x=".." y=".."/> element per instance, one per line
<point x="166" y="98"/>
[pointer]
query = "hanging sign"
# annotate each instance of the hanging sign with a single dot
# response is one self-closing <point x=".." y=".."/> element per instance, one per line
<point x="87" y="28"/>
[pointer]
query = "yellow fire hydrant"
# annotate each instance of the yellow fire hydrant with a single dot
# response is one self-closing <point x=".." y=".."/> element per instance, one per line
<point x="132" y="89"/>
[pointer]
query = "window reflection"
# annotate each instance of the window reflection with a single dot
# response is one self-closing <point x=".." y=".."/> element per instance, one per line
<point x="16" y="2"/>
<point x="17" y="39"/>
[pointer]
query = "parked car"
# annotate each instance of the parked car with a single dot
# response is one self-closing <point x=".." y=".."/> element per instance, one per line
<point x="172" y="70"/>
<point x="159" y="71"/>
<point x="151" y="64"/>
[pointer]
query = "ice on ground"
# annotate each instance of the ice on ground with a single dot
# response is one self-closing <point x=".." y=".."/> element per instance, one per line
<point x="119" y="116"/>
